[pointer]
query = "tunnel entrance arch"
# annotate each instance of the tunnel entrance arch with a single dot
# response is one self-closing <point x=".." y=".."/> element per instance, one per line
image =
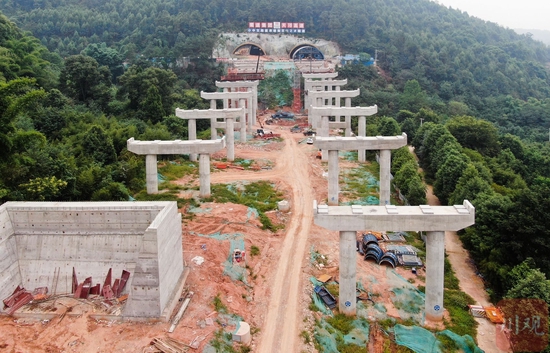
<point x="306" y="51"/>
<point x="249" y="49"/>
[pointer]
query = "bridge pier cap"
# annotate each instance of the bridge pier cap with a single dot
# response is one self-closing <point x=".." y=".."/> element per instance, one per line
<point x="394" y="218"/>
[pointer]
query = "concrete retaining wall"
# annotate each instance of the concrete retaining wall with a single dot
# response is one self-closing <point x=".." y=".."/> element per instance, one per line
<point x="10" y="276"/>
<point x="141" y="237"/>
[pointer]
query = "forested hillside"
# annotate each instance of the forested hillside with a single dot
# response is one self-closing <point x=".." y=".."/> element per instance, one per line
<point x="474" y="99"/>
<point x="500" y="76"/>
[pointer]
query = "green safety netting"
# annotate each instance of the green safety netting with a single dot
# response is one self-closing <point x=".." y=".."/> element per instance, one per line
<point x="465" y="343"/>
<point x="421" y="340"/>
<point x="416" y="338"/>
<point x="328" y="337"/>
<point x="406" y="298"/>
<point x="237" y="271"/>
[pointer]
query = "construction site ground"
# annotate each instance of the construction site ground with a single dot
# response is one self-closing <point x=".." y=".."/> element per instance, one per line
<point x="275" y="295"/>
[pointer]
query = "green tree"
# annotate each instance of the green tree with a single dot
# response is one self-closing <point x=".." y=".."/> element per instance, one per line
<point x="448" y="175"/>
<point x="469" y="186"/>
<point x="413" y="97"/>
<point x="136" y="84"/>
<point x="43" y="189"/>
<point x="527" y="282"/>
<point x="85" y="81"/>
<point x="479" y="135"/>
<point x="106" y="56"/>
<point x="16" y="97"/>
<point x="152" y="105"/>
<point x="388" y="127"/>
<point x="98" y="145"/>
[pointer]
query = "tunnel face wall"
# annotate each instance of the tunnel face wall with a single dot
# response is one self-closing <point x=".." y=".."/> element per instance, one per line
<point x="143" y="238"/>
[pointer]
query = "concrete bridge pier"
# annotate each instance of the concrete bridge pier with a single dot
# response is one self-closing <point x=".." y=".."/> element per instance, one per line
<point x="242" y="104"/>
<point x="347" y="220"/>
<point x="229" y="134"/>
<point x="435" y="256"/>
<point x="382" y="143"/>
<point x="152" y="148"/>
<point x="385" y="166"/>
<point x="333" y="172"/>
<point x="348" y="272"/>
<point x="347" y="118"/>
<point x="151" y="174"/>
<point x="192" y="131"/>
<point x="362" y="131"/>
<point x="324" y="131"/>
<point x="204" y="175"/>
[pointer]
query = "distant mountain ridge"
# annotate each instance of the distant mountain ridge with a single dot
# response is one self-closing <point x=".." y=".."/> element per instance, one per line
<point x="538" y="34"/>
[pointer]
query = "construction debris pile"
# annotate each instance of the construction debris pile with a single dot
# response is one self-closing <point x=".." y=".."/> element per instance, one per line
<point x="109" y="298"/>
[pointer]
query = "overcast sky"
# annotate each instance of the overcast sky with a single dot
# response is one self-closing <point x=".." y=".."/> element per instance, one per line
<point x="523" y="14"/>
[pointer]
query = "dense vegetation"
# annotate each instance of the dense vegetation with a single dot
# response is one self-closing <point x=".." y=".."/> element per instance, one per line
<point x="474" y="99"/>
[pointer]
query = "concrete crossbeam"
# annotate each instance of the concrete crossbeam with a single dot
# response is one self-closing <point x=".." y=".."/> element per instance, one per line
<point x="237" y="84"/>
<point x="234" y="113"/>
<point x="326" y="83"/>
<point x="395" y="218"/>
<point x="340" y="111"/>
<point x="333" y="94"/>
<point x="355" y="143"/>
<point x="175" y="147"/>
<point x="321" y="76"/>
<point x="226" y="95"/>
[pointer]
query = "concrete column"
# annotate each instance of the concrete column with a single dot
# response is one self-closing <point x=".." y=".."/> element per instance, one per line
<point x="225" y="100"/>
<point x="251" y="116"/>
<point x="243" y="123"/>
<point x="362" y="132"/>
<point x="435" y="256"/>
<point x="255" y="102"/>
<point x="151" y="174"/>
<point x="348" y="118"/>
<point x="204" y="174"/>
<point x="348" y="269"/>
<point x="213" y="132"/>
<point x="230" y="137"/>
<point x="333" y="172"/>
<point x="324" y="131"/>
<point x="192" y="131"/>
<point x="385" y="164"/>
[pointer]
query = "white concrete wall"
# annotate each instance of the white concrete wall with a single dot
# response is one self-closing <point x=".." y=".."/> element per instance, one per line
<point x="158" y="267"/>
<point x="10" y="276"/>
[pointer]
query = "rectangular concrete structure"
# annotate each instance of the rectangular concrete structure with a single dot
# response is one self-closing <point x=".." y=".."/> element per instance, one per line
<point x="174" y="147"/>
<point x="144" y="238"/>
<point x="354" y="143"/>
<point x="395" y="218"/>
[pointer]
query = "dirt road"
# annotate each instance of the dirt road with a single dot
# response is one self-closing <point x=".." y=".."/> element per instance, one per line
<point x="292" y="168"/>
